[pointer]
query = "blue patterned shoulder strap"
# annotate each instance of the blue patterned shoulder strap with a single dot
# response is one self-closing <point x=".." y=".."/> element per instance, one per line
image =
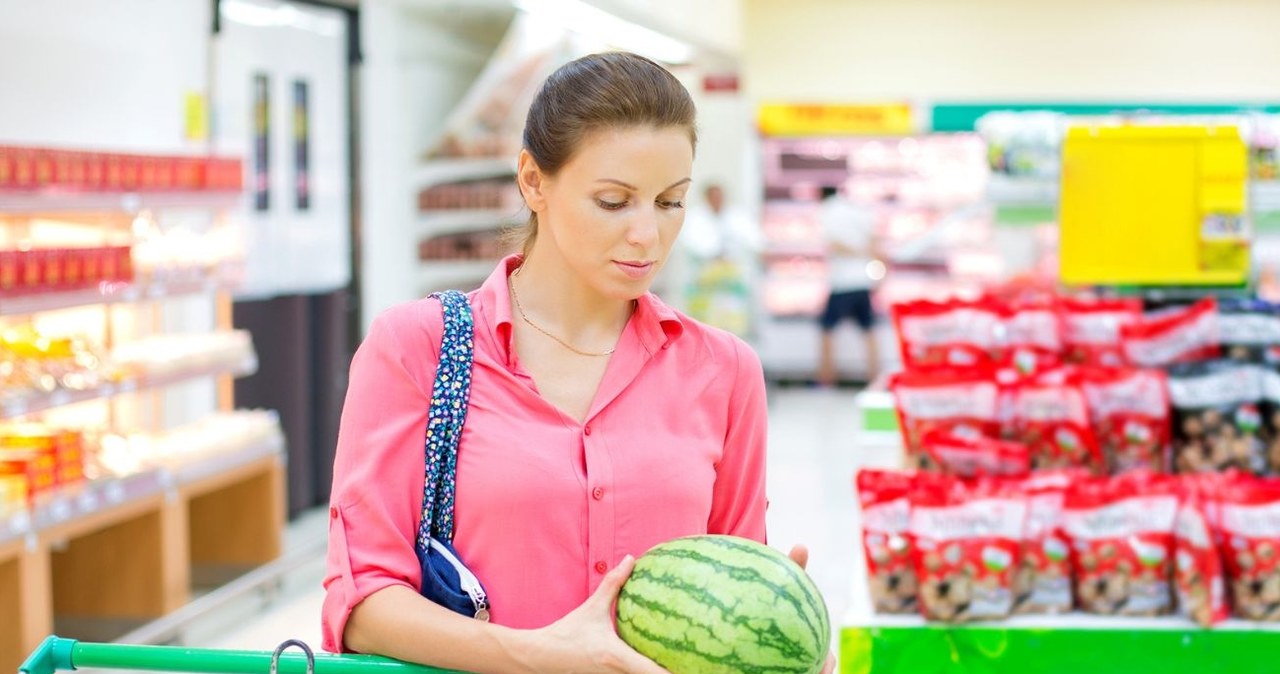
<point x="450" y="396"/>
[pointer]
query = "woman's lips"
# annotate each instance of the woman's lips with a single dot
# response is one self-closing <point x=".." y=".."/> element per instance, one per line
<point x="636" y="270"/>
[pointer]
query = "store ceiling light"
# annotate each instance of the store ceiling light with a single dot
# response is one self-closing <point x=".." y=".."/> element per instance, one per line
<point x="595" y="23"/>
<point x="269" y="13"/>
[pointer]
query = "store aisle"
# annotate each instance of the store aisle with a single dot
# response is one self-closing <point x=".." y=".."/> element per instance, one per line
<point x="813" y="455"/>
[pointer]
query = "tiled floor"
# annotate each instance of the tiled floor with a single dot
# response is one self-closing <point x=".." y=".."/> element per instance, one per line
<point x="812" y="457"/>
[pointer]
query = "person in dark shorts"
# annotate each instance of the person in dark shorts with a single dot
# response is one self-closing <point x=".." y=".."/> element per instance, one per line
<point x="849" y="230"/>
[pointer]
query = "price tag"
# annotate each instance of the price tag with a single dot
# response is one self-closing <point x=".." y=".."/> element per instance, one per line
<point x="60" y="510"/>
<point x="59" y="398"/>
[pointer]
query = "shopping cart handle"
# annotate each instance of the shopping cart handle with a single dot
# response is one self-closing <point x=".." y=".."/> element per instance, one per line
<point x="57" y="654"/>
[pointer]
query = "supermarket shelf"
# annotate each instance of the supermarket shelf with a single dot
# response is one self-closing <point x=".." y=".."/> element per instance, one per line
<point x="95" y="498"/>
<point x="445" y="221"/>
<point x="457" y="170"/>
<point x="795" y="249"/>
<point x="110" y="293"/>
<point x="35" y="403"/>
<point x="63" y="201"/>
<point x="440" y="274"/>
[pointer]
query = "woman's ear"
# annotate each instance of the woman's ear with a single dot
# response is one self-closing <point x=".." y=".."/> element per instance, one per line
<point x="530" y="179"/>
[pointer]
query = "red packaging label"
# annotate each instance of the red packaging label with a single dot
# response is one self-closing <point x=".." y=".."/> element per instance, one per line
<point x="1198" y="573"/>
<point x="1053" y="422"/>
<point x="958" y="404"/>
<point x="1250" y="521"/>
<point x="972" y="456"/>
<point x="1181" y="336"/>
<point x="1130" y="414"/>
<point x="966" y="541"/>
<point x="947" y="335"/>
<point x="9" y="270"/>
<point x="1091" y="330"/>
<point x="886" y="511"/>
<point x="1121" y="533"/>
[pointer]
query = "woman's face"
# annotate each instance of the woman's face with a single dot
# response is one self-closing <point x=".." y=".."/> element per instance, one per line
<point x="614" y="210"/>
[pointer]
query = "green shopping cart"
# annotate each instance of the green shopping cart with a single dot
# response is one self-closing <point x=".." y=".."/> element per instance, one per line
<point x="57" y="654"/>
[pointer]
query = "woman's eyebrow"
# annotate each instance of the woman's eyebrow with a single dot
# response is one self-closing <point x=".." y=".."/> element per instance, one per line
<point x="634" y="188"/>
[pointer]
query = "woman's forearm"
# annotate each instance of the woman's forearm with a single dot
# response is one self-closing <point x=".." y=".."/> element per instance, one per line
<point x="399" y="623"/>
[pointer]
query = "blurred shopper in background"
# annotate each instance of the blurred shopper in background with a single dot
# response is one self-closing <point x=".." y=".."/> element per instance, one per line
<point x="849" y="231"/>
<point x="721" y="250"/>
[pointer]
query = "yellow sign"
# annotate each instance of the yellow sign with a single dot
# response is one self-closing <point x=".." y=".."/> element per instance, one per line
<point x="196" y="116"/>
<point x="1153" y="206"/>
<point x="890" y="119"/>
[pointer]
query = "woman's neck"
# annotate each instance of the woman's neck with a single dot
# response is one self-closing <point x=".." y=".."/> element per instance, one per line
<point x="555" y="299"/>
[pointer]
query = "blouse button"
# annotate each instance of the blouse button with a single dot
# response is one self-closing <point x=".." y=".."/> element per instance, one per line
<point x="333" y="512"/>
<point x="587" y="430"/>
<point x="597" y="493"/>
<point x="601" y="567"/>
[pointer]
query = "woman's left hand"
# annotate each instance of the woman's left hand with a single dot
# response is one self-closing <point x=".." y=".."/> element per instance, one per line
<point x="800" y="555"/>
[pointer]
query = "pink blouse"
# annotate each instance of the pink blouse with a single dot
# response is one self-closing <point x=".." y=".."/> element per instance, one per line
<point x="674" y="445"/>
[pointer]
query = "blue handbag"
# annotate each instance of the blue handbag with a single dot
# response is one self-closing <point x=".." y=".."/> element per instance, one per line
<point x="445" y="579"/>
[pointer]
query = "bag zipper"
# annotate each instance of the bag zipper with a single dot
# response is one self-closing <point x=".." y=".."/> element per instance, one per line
<point x="470" y="584"/>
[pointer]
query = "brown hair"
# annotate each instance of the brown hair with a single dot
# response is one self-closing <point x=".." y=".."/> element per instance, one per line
<point x="595" y="92"/>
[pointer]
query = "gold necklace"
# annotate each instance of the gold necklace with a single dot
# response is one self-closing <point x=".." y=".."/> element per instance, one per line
<point x="516" y="296"/>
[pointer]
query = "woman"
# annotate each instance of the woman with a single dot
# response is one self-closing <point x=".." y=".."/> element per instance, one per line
<point x="601" y="422"/>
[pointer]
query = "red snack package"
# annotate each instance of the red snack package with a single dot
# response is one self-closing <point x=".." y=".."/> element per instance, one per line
<point x="886" y="511"/>
<point x="1043" y="581"/>
<point x="1181" y="336"/>
<point x="1121" y="534"/>
<point x="1091" y="329"/>
<point x="962" y="404"/>
<point x="953" y="334"/>
<point x="966" y="538"/>
<point x="1250" y="521"/>
<point x="1198" y="574"/>
<point x="1052" y="420"/>
<point x="1129" y="410"/>
<point x="1032" y="339"/>
<point x="972" y="456"/>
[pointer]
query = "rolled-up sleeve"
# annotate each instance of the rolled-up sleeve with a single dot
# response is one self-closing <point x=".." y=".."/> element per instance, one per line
<point x="376" y="500"/>
<point x="738" y="504"/>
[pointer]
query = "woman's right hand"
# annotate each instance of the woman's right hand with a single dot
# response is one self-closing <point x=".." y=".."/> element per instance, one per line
<point x="584" y="641"/>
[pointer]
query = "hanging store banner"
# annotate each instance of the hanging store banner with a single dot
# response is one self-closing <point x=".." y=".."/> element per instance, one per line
<point x="888" y="119"/>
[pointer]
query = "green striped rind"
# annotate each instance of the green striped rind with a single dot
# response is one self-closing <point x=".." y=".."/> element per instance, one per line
<point x="724" y="605"/>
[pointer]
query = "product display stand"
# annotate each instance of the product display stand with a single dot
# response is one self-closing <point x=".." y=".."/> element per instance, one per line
<point x="205" y="493"/>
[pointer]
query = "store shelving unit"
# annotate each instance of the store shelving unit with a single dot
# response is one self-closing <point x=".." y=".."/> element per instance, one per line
<point x="441" y="274"/>
<point x="121" y="548"/>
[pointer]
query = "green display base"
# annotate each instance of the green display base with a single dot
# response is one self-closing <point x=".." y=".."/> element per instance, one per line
<point x="1178" y="648"/>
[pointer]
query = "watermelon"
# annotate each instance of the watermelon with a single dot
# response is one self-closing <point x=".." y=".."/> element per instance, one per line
<point x="724" y="605"/>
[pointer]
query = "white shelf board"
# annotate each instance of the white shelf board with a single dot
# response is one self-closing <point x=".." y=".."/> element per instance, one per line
<point x="109" y="293"/>
<point x="62" y="201"/>
<point x="444" y="274"/>
<point x="19" y="406"/>
<point x="439" y="222"/>
<point x="444" y="171"/>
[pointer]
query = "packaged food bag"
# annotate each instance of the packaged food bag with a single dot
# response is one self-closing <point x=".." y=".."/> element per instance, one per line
<point x="1043" y="581"/>
<point x="1091" y="329"/>
<point x="951" y="335"/>
<point x="884" y="497"/>
<point x="1121" y="534"/>
<point x="1182" y="335"/>
<point x="1052" y="420"/>
<point x="1031" y="339"/>
<point x="1250" y="520"/>
<point x="966" y="542"/>
<point x="1217" y="417"/>
<point x="1130" y="412"/>
<point x="960" y="403"/>
<point x="1249" y="331"/>
<point x="1199" y="576"/>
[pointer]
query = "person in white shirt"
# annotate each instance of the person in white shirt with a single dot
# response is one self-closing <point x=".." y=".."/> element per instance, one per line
<point x="849" y="231"/>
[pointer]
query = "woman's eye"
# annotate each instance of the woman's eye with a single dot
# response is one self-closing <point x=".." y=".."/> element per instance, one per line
<point x="610" y="205"/>
<point x="671" y="204"/>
